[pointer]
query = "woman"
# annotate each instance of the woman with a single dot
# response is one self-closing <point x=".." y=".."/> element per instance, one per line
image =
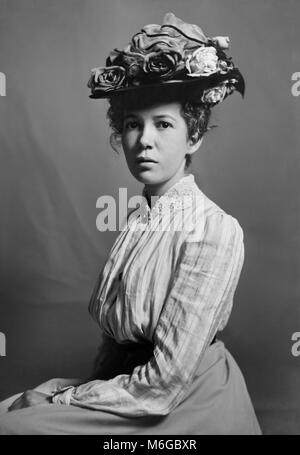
<point x="168" y="284"/>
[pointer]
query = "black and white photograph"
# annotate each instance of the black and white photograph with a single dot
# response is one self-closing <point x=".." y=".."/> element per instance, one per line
<point x="150" y="220"/>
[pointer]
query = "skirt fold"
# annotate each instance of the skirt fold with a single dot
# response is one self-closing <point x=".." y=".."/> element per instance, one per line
<point x="216" y="403"/>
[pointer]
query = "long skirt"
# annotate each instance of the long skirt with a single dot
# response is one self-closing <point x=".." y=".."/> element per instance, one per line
<point x="217" y="403"/>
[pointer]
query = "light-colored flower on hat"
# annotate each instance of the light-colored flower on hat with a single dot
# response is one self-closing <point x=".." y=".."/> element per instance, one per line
<point x="214" y="95"/>
<point x="224" y="66"/>
<point x="202" y="62"/>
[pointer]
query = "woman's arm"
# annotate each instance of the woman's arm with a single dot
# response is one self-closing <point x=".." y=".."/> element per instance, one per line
<point x="203" y="288"/>
<point x="114" y="358"/>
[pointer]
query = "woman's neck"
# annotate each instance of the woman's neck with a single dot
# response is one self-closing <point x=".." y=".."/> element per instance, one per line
<point x="157" y="190"/>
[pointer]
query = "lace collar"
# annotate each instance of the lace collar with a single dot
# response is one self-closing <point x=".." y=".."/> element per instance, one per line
<point x="179" y="196"/>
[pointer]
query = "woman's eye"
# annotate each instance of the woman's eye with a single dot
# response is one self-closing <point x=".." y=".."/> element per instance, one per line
<point x="131" y="125"/>
<point x="164" y="125"/>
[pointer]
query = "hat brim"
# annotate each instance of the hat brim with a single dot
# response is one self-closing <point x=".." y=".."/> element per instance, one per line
<point x="203" y="82"/>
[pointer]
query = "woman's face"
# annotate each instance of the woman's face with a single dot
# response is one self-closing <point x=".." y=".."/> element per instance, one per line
<point x="158" y="134"/>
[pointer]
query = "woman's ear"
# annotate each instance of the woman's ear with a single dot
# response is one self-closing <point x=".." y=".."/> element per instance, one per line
<point x="194" y="144"/>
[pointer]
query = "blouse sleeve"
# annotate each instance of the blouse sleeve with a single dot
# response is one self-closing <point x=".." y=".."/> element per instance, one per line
<point x="203" y="287"/>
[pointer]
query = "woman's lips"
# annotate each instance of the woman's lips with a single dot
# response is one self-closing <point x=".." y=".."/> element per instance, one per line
<point x="145" y="162"/>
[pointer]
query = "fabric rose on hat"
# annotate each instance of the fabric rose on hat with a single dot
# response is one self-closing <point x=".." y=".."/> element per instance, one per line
<point x="193" y="34"/>
<point x="107" y="78"/>
<point x="133" y="62"/>
<point x="163" y="52"/>
<point x="214" y="95"/>
<point x="174" y="34"/>
<point x="202" y="62"/>
<point x="153" y="38"/>
<point x="162" y="64"/>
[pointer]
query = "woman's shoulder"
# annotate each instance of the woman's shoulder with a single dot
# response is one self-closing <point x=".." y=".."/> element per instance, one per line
<point x="211" y="220"/>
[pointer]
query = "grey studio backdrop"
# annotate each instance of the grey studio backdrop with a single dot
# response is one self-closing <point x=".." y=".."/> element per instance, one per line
<point x="56" y="161"/>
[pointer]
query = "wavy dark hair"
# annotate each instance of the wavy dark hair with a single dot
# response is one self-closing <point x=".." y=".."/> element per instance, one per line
<point x="194" y="112"/>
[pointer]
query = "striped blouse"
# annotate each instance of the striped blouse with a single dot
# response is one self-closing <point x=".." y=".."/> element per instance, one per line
<point x="169" y="280"/>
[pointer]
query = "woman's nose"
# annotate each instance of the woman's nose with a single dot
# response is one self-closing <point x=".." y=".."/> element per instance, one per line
<point x="146" y="136"/>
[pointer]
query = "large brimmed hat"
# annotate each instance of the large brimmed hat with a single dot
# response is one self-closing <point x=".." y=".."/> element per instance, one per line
<point x="173" y="54"/>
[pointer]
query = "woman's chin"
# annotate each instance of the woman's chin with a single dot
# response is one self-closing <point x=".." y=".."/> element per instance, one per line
<point x="146" y="176"/>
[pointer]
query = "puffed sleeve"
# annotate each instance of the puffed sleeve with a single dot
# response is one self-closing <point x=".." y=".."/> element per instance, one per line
<point x="203" y="287"/>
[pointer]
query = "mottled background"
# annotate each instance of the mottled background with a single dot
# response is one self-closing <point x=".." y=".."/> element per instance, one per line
<point x="56" y="161"/>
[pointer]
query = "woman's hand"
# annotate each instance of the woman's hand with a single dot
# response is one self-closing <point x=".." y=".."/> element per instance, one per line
<point x="54" y="385"/>
<point x="30" y="398"/>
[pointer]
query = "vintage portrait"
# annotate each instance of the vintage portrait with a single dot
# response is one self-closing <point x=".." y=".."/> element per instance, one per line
<point x="150" y="217"/>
